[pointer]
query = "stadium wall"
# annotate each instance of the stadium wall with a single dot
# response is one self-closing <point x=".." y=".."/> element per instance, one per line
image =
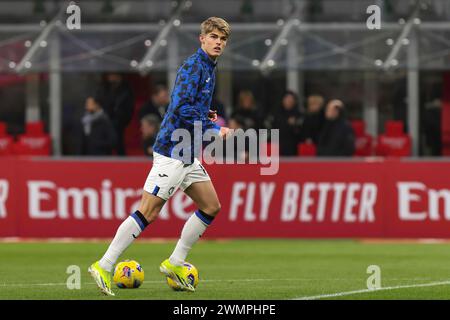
<point x="47" y="198"/>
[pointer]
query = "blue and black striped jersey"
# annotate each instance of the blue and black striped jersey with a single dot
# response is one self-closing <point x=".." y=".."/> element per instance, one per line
<point x="190" y="102"/>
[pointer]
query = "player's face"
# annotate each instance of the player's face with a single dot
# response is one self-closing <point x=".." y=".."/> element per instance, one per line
<point x="213" y="43"/>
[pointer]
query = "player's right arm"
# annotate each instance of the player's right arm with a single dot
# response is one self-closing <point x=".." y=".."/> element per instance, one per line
<point x="185" y="91"/>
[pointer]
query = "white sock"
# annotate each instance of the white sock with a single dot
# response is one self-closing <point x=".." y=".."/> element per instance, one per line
<point x="129" y="230"/>
<point x="192" y="231"/>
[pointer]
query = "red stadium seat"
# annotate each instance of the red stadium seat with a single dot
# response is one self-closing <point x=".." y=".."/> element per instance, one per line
<point x="35" y="128"/>
<point x="394" y="142"/>
<point x="6" y="141"/>
<point x="363" y="140"/>
<point x="133" y="135"/>
<point x="394" y="128"/>
<point x="306" y="149"/>
<point x="34" y="142"/>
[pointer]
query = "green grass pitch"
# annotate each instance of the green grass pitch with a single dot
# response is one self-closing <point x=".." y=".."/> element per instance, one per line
<point x="237" y="269"/>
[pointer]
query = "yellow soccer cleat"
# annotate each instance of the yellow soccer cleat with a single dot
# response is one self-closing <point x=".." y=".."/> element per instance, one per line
<point x="177" y="274"/>
<point x="102" y="278"/>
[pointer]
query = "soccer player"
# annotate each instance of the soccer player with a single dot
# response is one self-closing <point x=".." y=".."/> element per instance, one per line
<point x="190" y="102"/>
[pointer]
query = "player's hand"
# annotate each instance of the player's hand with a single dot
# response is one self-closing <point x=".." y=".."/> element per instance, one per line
<point x="225" y="132"/>
<point x="212" y="115"/>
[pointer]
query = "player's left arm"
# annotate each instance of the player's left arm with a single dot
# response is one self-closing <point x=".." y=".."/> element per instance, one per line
<point x="223" y="132"/>
<point x="185" y="90"/>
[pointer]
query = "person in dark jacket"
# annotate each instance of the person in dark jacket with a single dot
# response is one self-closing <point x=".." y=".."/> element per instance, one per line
<point x="117" y="99"/>
<point x="98" y="136"/>
<point x="218" y="106"/>
<point x="288" y="120"/>
<point x="337" y="137"/>
<point x="149" y="128"/>
<point x="157" y="105"/>
<point x="248" y="111"/>
<point x="313" y="119"/>
<point x="432" y="122"/>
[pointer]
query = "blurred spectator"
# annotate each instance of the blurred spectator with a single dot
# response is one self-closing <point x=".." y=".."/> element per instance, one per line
<point x="116" y="97"/>
<point x="71" y="115"/>
<point x="288" y="120"/>
<point x="238" y="153"/>
<point x="337" y="137"/>
<point x="247" y="111"/>
<point x="235" y="123"/>
<point x="217" y="105"/>
<point x="313" y="119"/>
<point x="432" y="126"/>
<point x="98" y="134"/>
<point x="149" y="128"/>
<point x="157" y="104"/>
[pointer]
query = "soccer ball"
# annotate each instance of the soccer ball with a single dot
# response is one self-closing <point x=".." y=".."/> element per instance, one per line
<point x="128" y="274"/>
<point x="190" y="272"/>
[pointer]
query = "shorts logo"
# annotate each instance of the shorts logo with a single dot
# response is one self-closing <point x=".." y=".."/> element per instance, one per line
<point x="163" y="175"/>
<point x="171" y="190"/>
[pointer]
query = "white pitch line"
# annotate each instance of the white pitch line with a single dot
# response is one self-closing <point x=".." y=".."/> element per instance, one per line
<point x="348" y="293"/>
<point x="3" y="285"/>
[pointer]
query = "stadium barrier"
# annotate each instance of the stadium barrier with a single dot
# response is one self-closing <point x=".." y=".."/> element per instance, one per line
<point x="46" y="198"/>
